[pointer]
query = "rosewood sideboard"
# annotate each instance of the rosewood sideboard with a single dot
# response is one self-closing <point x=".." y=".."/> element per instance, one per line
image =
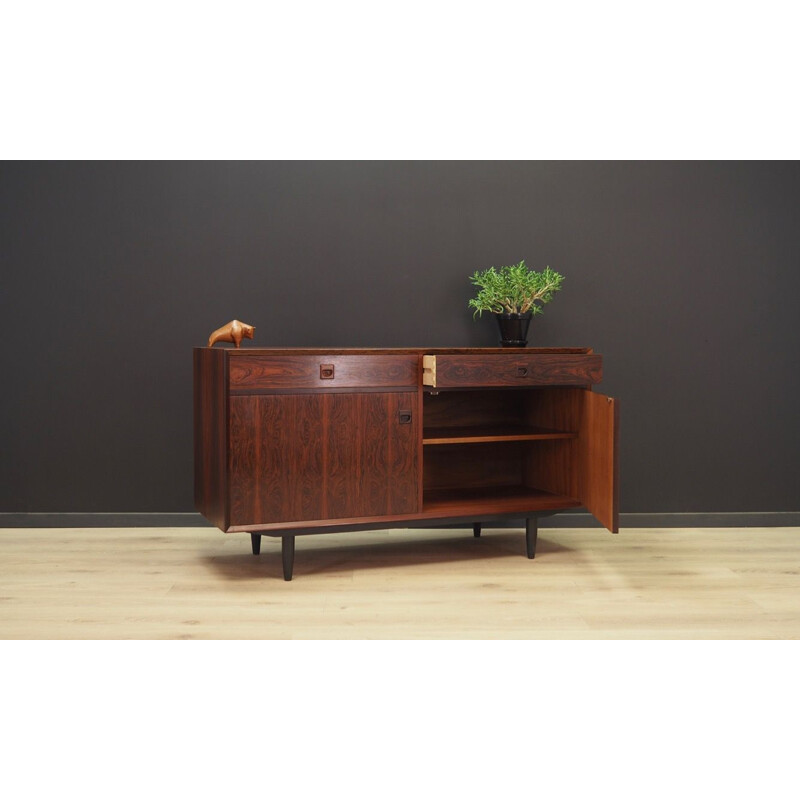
<point x="300" y="441"/>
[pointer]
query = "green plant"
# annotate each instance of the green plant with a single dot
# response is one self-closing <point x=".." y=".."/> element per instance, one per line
<point x="515" y="289"/>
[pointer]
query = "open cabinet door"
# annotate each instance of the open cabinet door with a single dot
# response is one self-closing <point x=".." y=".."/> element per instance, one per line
<point x="598" y="480"/>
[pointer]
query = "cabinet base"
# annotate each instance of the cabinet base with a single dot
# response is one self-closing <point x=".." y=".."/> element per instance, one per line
<point x="287" y="544"/>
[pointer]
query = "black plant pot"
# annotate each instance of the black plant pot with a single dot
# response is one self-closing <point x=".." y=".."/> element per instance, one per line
<point x="513" y="329"/>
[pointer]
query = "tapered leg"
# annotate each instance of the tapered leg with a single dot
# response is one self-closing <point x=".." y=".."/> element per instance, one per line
<point x="287" y="551"/>
<point x="255" y="540"/>
<point x="531" y="531"/>
<point x="476" y="529"/>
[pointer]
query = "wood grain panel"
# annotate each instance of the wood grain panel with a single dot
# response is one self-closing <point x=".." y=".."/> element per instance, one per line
<point x="255" y="372"/>
<point x="491" y="433"/>
<point x="343" y="466"/>
<point x="245" y="431"/>
<point x="501" y="499"/>
<point x="553" y="466"/>
<point x="598" y="478"/>
<point x="247" y="351"/>
<point x="553" y="407"/>
<point x="463" y="371"/>
<point x="479" y="408"/>
<point x="267" y="481"/>
<point x="373" y="458"/>
<point x="404" y="454"/>
<point x="320" y="456"/>
<point x="375" y="434"/>
<point x="307" y="469"/>
<point x="473" y="466"/>
<point x="210" y="435"/>
<point x="276" y="459"/>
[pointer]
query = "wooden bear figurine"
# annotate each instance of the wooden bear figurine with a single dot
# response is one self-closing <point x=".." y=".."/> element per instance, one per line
<point x="234" y="332"/>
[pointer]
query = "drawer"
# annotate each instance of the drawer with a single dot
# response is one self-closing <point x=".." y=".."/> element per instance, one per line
<point x="322" y="372"/>
<point x="512" y="369"/>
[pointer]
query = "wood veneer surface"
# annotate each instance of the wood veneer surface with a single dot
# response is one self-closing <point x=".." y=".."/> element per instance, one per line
<point x="502" y="499"/>
<point x="273" y="351"/>
<point x="312" y="457"/>
<point x="210" y="432"/>
<point x="474" y="434"/>
<point x="249" y="372"/>
<point x="598" y="464"/>
<point x="519" y="369"/>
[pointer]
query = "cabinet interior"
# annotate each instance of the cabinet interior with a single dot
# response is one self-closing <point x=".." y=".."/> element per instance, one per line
<point x="515" y="447"/>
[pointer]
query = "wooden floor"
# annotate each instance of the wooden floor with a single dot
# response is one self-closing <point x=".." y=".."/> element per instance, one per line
<point x="198" y="583"/>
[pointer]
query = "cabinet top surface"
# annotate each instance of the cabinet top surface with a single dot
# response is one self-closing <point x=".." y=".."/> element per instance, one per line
<point x="377" y="351"/>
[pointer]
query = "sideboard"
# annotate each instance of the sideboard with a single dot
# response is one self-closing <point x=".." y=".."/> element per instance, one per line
<point x="300" y="441"/>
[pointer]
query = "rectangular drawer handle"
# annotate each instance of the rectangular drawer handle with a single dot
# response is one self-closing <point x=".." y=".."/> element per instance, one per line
<point x="522" y="372"/>
<point x="326" y="372"/>
<point x="404" y="417"/>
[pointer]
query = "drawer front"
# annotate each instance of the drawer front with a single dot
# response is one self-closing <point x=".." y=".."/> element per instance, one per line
<point x="517" y="369"/>
<point x="322" y="372"/>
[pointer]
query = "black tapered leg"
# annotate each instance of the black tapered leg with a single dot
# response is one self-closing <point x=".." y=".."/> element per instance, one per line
<point x="287" y="551"/>
<point x="531" y="531"/>
<point x="476" y="529"/>
<point x="255" y="540"/>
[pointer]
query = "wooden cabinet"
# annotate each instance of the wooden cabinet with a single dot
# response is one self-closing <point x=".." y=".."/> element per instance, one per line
<point x="290" y="442"/>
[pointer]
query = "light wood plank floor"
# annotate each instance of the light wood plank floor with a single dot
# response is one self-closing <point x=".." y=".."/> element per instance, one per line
<point x="198" y="583"/>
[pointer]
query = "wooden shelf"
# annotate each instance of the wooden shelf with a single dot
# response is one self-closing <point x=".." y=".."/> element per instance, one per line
<point x="501" y="499"/>
<point x="490" y="433"/>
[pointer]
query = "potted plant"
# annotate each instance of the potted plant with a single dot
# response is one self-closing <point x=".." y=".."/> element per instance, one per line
<point x="514" y="294"/>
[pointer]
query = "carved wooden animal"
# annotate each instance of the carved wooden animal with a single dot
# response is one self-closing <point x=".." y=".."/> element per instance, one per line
<point x="234" y="332"/>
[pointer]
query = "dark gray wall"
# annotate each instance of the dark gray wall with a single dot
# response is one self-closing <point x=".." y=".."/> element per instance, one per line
<point x="685" y="276"/>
